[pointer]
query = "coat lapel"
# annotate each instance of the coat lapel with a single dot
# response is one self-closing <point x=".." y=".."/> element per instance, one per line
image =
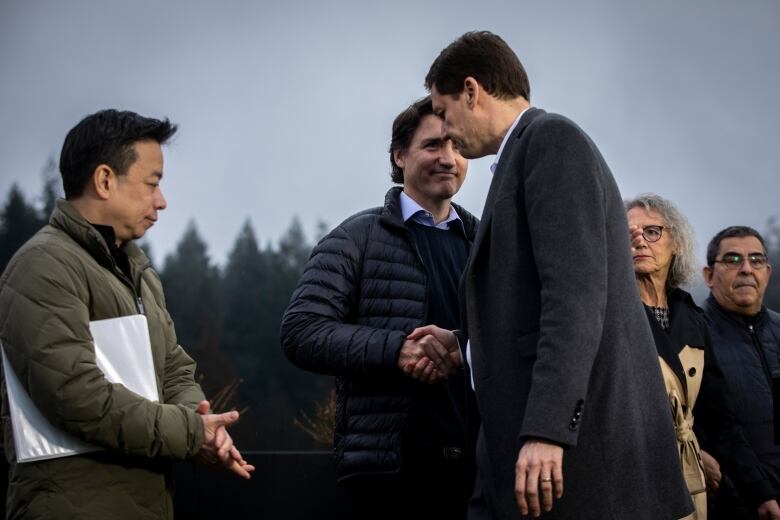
<point x="666" y="347"/>
<point x="498" y="177"/>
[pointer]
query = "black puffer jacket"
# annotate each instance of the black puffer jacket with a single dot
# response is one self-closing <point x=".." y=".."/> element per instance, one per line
<point x="749" y="354"/>
<point x="362" y="292"/>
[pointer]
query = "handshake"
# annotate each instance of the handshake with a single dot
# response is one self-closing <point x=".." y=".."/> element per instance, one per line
<point x="430" y="354"/>
<point x="218" y="450"/>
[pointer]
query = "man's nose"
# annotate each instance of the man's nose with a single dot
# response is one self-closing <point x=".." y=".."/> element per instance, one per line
<point x="160" y="202"/>
<point x="447" y="155"/>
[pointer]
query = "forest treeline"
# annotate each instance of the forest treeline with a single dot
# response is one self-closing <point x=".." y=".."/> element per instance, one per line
<point x="227" y="317"/>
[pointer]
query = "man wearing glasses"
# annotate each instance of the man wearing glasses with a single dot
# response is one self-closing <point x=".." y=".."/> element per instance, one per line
<point x="746" y="341"/>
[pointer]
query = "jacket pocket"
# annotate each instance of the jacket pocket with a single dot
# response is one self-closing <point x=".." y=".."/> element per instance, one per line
<point x="527" y="343"/>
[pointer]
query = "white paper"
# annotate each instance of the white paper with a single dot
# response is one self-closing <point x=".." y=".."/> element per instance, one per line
<point x="123" y="352"/>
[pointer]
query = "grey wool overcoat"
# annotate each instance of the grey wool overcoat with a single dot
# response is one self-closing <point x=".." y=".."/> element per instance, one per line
<point x="561" y="347"/>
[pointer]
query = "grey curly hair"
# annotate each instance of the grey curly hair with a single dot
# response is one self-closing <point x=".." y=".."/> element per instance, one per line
<point x="683" y="268"/>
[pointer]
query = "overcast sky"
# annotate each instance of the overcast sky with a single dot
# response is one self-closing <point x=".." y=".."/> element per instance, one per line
<point x="285" y="107"/>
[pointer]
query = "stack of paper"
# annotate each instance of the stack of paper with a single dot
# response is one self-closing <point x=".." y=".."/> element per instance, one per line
<point x="123" y="352"/>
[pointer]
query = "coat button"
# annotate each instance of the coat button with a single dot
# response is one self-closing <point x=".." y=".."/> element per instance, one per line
<point x="692" y="371"/>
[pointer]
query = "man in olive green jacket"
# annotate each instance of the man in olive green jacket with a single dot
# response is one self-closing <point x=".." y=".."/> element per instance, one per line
<point x="83" y="266"/>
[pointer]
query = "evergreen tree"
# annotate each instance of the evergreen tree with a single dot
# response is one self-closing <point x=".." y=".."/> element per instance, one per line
<point x="19" y="220"/>
<point x="192" y="294"/>
<point x="320" y="230"/>
<point x="302" y="389"/>
<point x="294" y="250"/>
<point x="52" y="189"/>
<point x="245" y="295"/>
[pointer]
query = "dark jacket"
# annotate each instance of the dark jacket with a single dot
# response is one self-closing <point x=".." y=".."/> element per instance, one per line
<point x="560" y="345"/>
<point x="362" y="292"/>
<point x="748" y="350"/>
<point x="686" y="351"/>
<point x="60" y="280"/>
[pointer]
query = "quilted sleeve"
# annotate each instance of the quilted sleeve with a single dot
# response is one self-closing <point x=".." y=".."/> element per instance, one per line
<point x="44" y="328"/>
<point x="316" y="333"/>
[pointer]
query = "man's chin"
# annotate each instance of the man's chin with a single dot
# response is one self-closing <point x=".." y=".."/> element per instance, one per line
<point x="446" y="193"/>
<point x="469" y="153"/>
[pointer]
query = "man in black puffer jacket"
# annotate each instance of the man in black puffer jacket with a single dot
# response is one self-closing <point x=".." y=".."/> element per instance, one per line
<point x="403" y="412"/>
<point x="746" y="341"/>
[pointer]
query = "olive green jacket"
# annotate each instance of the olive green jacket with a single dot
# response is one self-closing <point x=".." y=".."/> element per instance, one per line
<point x="60" y="280"/>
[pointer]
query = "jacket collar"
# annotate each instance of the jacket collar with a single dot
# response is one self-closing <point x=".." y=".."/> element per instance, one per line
<point x="495" y="185"/>
<point x="391" y="213"/>
<point x="684" y="329"/>
<point x="67" y="219"/>
<point x="711" y="304"/>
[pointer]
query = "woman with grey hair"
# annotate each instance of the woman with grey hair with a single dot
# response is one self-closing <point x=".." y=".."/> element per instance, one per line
<point x="663" y="250"/>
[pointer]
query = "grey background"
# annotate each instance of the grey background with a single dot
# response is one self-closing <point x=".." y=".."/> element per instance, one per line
<point x="285" y="107"/>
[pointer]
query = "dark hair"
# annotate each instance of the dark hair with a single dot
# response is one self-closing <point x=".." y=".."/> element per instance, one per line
<point x="404" y="127"/>
<point x="731" y="232"/>
<point x="106" y="137"/>
<point x="485" y="57"/>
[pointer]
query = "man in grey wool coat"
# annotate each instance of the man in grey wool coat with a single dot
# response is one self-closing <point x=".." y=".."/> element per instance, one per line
<point x="563" y="361"/>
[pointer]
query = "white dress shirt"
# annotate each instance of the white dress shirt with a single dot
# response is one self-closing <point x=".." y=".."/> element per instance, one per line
<point x="493" y="171"/>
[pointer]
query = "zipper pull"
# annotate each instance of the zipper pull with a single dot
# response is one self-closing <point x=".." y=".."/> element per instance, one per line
<point x="140" y="305"/>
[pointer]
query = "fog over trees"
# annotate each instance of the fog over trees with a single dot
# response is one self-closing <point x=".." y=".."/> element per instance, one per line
<point x="227" y="316"/>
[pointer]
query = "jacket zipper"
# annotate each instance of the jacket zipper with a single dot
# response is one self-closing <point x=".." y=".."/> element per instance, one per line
<point x="760" y="352"/>
<point x="139" y="304"/>
<point x="424" y="271"/>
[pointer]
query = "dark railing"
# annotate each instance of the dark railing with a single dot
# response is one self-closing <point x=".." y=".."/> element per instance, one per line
<point x="285" y="486"/>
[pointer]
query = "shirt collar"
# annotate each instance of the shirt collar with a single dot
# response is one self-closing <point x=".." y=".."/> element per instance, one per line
<point x="107" y="232"/>
<point x="505" y="139"/>
<point x="410" y="209"/>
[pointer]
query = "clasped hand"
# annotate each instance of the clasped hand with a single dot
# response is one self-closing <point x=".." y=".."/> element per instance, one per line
<point x="218" y="449"/>
<point x="430" y="354"/>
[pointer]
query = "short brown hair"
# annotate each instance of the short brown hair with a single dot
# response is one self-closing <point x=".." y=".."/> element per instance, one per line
<point x="404" y="127"/>
<point x="485" y="57"/>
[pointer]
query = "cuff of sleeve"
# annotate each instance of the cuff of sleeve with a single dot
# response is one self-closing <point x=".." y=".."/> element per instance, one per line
<point x="526" y="438"/>
<point x="395" y="340"/>
<point x="760" y="492"/>
<point x="195" y="434"/>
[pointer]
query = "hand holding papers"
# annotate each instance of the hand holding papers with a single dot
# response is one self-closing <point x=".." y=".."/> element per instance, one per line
<point x="122" y="352"/>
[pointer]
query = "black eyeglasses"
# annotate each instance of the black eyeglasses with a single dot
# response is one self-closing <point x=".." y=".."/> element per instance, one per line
<point x="652" y="233"/>
<point x="735" y="260"/>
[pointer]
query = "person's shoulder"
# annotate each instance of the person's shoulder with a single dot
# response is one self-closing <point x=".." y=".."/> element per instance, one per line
<point x="358" y="222"/>
<point x="48" y="255"/>
<point x="552" y="123"/>
<point x="773" y="316"/>
<point x="362" y="217"/>
<point x="687" y="300"/>
<point x="47" y="244"/>
<point x="350" y="231"/>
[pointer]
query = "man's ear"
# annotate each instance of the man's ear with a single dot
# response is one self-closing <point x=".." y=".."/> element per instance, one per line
<point x="471" y="89"/>
<point x="398" y="158"/>
<point x="103" y="180"/>
<point x="706" y="273"/>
